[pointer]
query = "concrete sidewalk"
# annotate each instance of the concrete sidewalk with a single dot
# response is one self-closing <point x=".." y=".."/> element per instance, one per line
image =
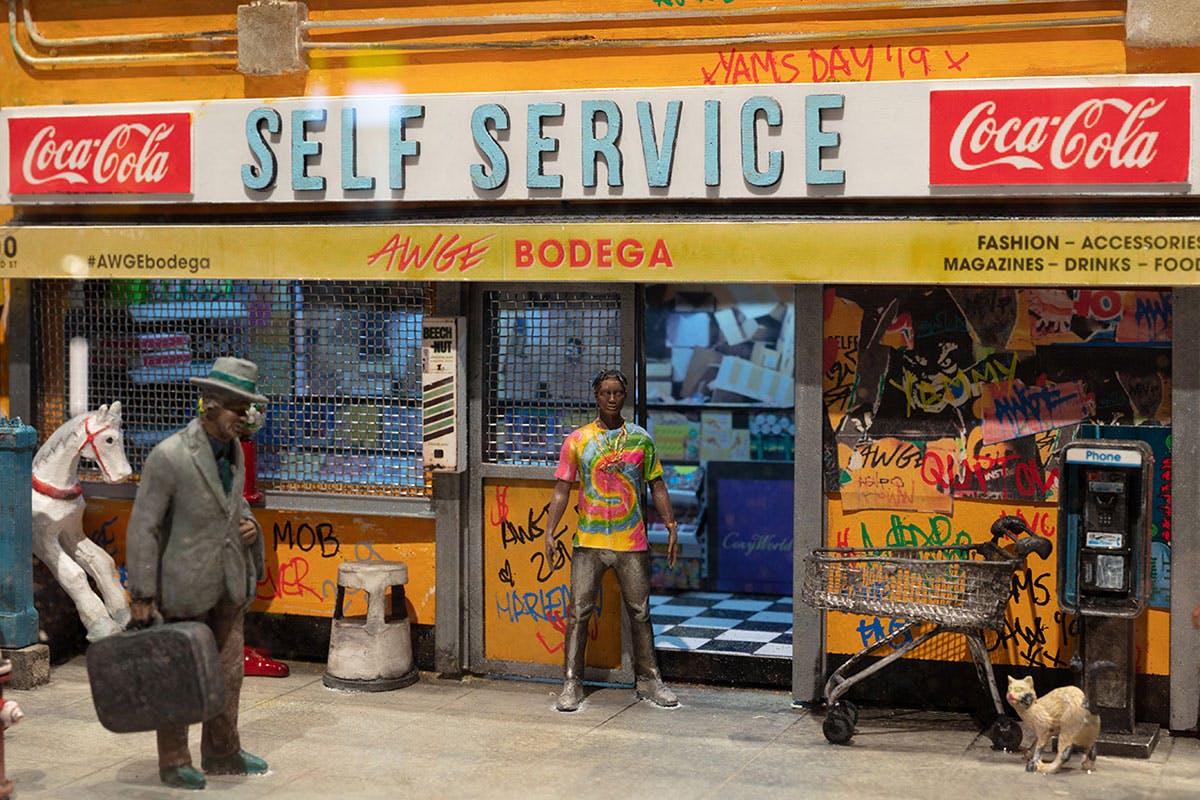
<point x="484" y="738"/>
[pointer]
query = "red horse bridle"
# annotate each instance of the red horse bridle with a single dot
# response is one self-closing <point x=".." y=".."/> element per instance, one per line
<point x="41" y="487"/>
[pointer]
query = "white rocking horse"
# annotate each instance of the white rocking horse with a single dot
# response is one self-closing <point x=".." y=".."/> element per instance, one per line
<point x="58" y="538"/>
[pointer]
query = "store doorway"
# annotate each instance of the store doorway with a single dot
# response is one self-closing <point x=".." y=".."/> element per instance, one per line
<point x="719" y="401"/>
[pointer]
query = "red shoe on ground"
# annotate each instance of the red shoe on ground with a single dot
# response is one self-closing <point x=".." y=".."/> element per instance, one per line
<point x="255" y="662"/>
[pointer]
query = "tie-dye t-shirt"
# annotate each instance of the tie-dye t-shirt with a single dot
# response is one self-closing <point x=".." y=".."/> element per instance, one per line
<point x="612" y="483"/>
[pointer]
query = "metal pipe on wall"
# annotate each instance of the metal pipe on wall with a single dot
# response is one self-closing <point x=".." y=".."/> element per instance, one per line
<point x="758" y="38"/>
<point x="37" y="38"/>
<point x="659" y="16"/>
<point x="119" y="58"/>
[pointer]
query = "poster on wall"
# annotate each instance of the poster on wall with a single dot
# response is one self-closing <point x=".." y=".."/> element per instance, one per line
<point x="750" y="523"/>
<point x="945" y="397"/>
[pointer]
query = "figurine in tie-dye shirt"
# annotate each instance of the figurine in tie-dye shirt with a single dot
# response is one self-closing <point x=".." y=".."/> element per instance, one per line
<point x="613" y="461"/>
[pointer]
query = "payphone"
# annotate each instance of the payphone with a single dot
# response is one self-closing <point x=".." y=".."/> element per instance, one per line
<point x="1104" y="575"/>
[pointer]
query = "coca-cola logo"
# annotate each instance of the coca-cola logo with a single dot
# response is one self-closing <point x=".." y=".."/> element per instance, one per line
<point x="1117" y="135"/>
<point x="128" y="154"/>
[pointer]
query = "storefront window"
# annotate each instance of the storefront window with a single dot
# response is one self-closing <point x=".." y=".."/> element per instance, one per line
<point x="541" y="351"/>
<point x="719" y="369"/>
<point x="339" y="361"/>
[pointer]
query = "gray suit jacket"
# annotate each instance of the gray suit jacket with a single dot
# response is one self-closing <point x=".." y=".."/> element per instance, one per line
<point x="182" y="544"/>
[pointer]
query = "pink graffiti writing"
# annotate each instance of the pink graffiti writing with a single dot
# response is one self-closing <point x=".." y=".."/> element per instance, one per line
<point x="288" y="581"/>
<point x="442" y="254"/>
<point x="986" y="474"/>
<point x="1041" y="523"/>
<point x="823" y="65"/>
<point x="1165" y="499"/>
<point x="1013" y="409"/>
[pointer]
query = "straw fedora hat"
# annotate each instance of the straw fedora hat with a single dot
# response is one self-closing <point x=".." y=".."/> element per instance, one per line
<point x="235" y="376"/>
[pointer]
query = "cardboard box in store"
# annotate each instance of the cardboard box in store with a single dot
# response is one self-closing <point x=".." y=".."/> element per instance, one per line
<point x="701" y="369"/>
<point x="746" y="378"/>
<point x="766" y="357"/>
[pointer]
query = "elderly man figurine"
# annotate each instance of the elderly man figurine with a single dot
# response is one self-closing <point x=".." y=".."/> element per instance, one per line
<point x="195" y="552"/>
<point x="612" y="461"/>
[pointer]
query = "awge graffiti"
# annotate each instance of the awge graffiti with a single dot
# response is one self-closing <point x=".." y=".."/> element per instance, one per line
<point x="527" y="595"/>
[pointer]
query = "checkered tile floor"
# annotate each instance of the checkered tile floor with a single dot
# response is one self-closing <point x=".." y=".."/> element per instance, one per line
<point x="720" y="622"/>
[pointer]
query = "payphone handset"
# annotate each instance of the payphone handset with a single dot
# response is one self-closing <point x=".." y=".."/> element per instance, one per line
<point x="1104" y="527"/>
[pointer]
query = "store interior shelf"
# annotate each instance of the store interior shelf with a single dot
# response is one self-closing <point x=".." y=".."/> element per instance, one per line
<point x="188" y="309"/>
<point x="169" y="373"/>
<point x="709" y="405"/>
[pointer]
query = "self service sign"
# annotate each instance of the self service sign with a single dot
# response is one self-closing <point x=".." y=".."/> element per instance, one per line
<point x="1114" y="135"/>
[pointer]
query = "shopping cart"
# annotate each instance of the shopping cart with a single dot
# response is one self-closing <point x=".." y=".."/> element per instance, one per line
<point x="954" y="589"/>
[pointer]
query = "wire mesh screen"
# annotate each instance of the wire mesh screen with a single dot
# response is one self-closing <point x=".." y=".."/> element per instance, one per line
<point x="541" y="351"/>
<point x="340" y="362"/>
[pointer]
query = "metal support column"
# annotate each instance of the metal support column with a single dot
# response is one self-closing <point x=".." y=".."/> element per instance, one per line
<point x="449" y="506"/>
<point x="1185" y="509"/>
<point x="808" y="524"/>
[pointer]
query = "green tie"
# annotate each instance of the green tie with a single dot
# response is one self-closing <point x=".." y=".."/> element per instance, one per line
<point x="226" y="471"/>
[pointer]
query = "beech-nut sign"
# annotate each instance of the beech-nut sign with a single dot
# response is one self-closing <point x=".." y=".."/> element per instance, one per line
<point x="1065" y="136"/>
<point x="101" y="154"/>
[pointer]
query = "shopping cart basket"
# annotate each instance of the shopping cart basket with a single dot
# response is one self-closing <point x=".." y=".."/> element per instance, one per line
<point x="954" y="589"/>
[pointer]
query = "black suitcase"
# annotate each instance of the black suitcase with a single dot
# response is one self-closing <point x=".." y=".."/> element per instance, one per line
<point x="158" y="677"/>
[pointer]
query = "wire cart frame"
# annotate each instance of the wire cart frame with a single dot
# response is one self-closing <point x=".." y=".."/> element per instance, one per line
<point x="962" y="589"/>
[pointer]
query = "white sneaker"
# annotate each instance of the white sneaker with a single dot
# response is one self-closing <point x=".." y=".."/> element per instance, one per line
<point x="656" y="692"/>
<point x="570" y="697"/>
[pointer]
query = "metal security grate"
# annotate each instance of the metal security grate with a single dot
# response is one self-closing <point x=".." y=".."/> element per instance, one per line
<point x="340" y="362"/>
<point x="541" y="351"/>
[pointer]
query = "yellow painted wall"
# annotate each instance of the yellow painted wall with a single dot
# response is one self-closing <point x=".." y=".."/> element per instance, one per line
<point x="525" y="597"/>
<point x="1036" y="632"/>
<point x="303" y="550"/>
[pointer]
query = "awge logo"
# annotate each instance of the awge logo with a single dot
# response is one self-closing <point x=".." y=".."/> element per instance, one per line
<point x="1115" y="135"/>
<point x="127" y="154"/>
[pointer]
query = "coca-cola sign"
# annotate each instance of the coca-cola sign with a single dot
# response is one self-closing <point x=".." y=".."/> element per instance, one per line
<point x="1093" y="135"/>
<point x="126" y="154"/>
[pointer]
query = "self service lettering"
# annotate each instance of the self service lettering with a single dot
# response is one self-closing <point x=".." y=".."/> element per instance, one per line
<point x="607" y="135"/>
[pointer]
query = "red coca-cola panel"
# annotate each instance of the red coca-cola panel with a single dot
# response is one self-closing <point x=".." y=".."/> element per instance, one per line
<point x="1089" y="135"/>
<point x="125" y="154"/>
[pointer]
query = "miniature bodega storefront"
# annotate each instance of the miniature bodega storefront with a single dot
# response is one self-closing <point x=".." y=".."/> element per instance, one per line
<point x="953" y="355"/>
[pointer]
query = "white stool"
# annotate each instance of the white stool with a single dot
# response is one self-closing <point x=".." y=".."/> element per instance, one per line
<point x="371" y="653"/>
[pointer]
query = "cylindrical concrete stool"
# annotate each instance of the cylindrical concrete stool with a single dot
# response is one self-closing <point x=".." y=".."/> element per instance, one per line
<point x="371" y="653"/>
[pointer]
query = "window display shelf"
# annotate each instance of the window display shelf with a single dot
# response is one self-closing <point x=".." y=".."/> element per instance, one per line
<point x="188" y="309"/>
<point x="709" y="405"/>
<point x="169" y="373"/>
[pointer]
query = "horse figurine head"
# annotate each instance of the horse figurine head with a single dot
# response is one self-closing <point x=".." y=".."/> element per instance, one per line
<point x="96" y="436"/>
<point x="104" y="443"/>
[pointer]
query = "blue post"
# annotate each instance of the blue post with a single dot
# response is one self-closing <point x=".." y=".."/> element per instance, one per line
<point x="18" y="617"/>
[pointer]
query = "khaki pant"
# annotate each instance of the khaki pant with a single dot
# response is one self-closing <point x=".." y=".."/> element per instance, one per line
<point x="219" y="736"/>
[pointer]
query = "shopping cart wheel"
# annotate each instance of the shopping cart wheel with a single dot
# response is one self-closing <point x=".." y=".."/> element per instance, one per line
<point x="838" y="727"/>
<point x="1005" y="734"/>
<point x="850" y="709"/>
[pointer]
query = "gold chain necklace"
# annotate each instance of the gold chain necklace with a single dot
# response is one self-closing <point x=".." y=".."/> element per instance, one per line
<point x="611" y="448"/>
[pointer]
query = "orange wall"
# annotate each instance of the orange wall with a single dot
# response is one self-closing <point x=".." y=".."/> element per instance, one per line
<point x="853" y="47"/>
<point x="303" y="550"/>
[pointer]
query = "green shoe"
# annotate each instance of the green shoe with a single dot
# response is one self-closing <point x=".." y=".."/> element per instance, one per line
<point x="182" y="777"/>
<point x="239" y="763"/>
